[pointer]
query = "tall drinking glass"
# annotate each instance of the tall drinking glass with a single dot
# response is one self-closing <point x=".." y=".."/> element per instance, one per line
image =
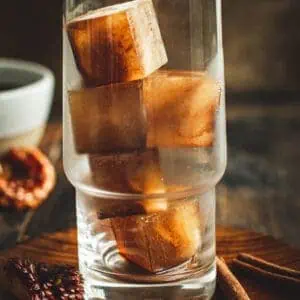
<point x="145" y="143"/>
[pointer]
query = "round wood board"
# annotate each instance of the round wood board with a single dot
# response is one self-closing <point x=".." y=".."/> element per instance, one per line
<point x="61" y="247"/>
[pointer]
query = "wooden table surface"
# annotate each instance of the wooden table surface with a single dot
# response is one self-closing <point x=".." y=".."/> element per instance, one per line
<point x="61" y="248"/>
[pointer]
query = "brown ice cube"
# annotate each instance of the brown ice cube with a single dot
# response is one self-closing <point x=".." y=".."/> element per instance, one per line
<point x="168" y="109"/>
<point x="126" y="172"/>
<point x="117" y="43"/>
<point x="108" y="119"/>
<point x="181" y="109"/>
<point x="136" y="173"/>
<point x="147" y="179"/>
<point x="160" y="241"/>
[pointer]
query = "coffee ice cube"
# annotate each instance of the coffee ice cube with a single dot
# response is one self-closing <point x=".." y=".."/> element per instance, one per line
<point x="127" y="172"/>
<point x="181" y="109"/>
<point x="159" y="241"/>
<point x="168" y="109"/>
<point x="108" y="119"/>
<point x="147" y="179"/>
<point x="118" y="43"/>
<point x="135" y="173"/>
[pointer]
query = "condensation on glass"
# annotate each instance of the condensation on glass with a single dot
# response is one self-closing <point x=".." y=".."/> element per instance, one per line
<point x="144" y="140"/>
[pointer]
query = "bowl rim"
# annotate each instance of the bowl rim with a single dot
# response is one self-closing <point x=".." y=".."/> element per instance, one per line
<point x="46" y="76"/>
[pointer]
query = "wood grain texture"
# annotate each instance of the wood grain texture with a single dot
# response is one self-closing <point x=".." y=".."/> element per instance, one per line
<point x="230" y="242"/>
<point x="61" y="247"/>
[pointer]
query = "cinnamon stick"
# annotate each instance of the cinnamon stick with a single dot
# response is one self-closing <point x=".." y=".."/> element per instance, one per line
<point x="268" y="266"/>
<point x="263" y="274"/>
<point x="228" y="283"/>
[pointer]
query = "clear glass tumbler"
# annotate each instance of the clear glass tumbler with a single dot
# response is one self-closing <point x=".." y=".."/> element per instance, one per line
<point x="145" y="143"/>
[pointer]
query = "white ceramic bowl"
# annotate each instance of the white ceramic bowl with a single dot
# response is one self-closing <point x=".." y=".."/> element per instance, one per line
<point x="24" y="110"/>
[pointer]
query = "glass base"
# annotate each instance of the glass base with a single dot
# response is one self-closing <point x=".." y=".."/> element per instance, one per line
<point x="98" y="287"/>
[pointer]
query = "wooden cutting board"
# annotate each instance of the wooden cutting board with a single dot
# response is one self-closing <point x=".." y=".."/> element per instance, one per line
<point x="61" y="247"/>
